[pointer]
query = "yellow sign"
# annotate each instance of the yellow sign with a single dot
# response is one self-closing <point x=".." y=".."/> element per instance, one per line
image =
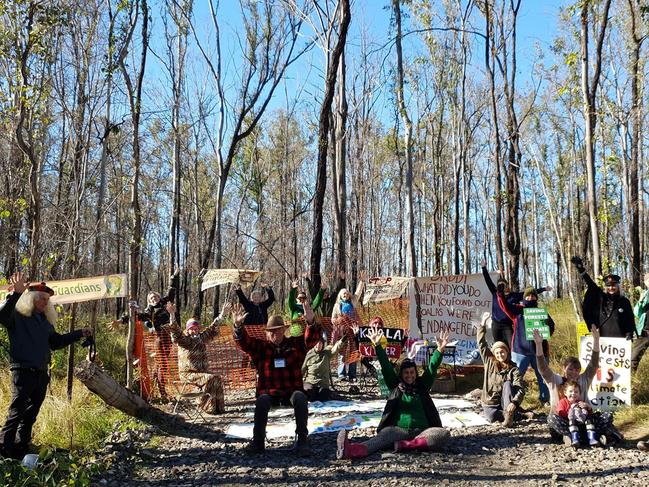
<point x="582" y="331"/>
<point x="85" y="289"/>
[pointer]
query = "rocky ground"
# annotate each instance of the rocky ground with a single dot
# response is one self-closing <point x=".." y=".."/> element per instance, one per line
<point x="523" y="455"/>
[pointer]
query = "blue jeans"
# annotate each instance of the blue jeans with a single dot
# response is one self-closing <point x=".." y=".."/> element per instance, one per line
<point x="346" y="370"/>
<point x="523" y="362"/>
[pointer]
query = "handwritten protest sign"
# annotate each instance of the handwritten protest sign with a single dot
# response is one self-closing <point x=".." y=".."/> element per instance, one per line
<point x="393" y="343"/>
<point x="384" y="289"/>
<point x="582" y="331"/>
<point x="535" y="319"/>
<point x="453" y="303"/>
<point x="611" y="387"/>
<point x="85" y="289"/>
<point x="218" y="277"/>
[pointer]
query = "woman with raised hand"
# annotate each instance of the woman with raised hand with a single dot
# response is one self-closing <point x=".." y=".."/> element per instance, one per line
<point x="410" y="419"/>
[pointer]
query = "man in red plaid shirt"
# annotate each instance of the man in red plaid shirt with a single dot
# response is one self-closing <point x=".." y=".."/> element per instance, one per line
<point x="279" y="362"/>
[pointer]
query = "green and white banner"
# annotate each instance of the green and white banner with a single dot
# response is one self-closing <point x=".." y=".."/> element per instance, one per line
<point x="536" y="319"/>
<point x="84" y="289"/>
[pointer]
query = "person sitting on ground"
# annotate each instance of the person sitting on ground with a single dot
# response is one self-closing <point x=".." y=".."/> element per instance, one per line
<point x="559" y="428"/>
<point x="523" y="352"/>
<point x="608" y="310"/>
<point x="502" y="326"/>
<point x="410" y="420"/>
<point x="193" y="364"/>
<point x="256" y="306"/>
<point x="295" y="303"/>
<point x="29" y="316"/>
<point x="579" y="414"/>
<point x="316" y="370"/>
<point x="503" y="387"/>
<point x="278" y="360"/>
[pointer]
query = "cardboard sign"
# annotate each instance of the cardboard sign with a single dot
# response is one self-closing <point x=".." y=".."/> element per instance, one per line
<point x="85" y="289"/>
<point x="384" y="289"/>
<point x="582" y="331"/>
<point x="453" y="303"/>
<point x="535" y="319"/>
<point x="218" y="277"/>
<point x="392" y="341"/>
<point x="611" y="387"/>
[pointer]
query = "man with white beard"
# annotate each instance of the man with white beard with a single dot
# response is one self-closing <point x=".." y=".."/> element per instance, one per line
<point x="29" y="317"/>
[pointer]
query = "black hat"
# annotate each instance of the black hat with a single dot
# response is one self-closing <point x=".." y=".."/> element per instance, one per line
<point x="611" y="279"/>
<point x="41" y="288"/>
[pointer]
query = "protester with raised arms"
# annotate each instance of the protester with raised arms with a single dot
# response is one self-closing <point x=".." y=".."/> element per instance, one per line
<point x="256" y="307"/>
<point x="193" y="363"/>
<point x="410" y="419"/>
<point x="502" y="326"/>
<point x="343" y="317"/>
<point x="278" y="360"/>
<point x="559" y="427"/>
<point x="29" y="316"/>
<point x="503" y="387"/>
<point x="296" y="305"/>
<point x="641" y="312"/>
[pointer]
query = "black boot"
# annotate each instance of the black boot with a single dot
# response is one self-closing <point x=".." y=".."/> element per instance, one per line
<point x="256" y="446"/>
<point x="302" y="448"/>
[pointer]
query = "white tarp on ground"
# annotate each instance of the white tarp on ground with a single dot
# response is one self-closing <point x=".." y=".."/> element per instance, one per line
<point x="333" y="407"/>
<point x="286" y="429"/>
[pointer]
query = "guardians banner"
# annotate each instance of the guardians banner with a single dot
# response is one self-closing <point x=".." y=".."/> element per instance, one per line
<point x="84" y="289"/>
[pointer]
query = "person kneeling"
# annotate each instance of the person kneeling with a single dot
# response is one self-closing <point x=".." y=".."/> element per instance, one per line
<point x="503" y="388"/>
<point x="279" y="362"/>
<point x="579" y="415"/>
<point x="410" y="420"/>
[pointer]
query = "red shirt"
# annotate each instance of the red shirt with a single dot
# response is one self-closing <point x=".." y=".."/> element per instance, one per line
<point x="563" y="407"/>
<point x="279" y="368"/>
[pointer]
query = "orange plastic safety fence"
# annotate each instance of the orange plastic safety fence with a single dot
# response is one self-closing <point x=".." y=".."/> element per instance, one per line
<point x="160" y="354"/>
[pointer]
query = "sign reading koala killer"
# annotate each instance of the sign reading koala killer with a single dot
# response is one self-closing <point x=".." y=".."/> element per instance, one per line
<point x="392" y="340"/>
<point x="611" y="387"/>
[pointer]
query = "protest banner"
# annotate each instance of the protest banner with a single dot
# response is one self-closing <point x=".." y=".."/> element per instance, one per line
<point x="218" y="277"/>
<point x="611" y="387"/>
<point x="84" y="289"/>
<point x="535" y="319"/>
<point x="392" y="341"/>
<point x="453" y="303"/>
<point x="582" y="331"/>
<point x="384" y="289"/>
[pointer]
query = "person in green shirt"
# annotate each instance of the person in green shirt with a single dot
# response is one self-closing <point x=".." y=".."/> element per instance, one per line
<point x="295" y="304"/>
<point x="410" y="419"/>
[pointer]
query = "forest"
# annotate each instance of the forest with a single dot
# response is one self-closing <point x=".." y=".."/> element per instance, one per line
<point x="317" y="136"/>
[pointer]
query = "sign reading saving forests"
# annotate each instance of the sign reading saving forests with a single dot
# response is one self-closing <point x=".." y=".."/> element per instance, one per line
<point x="454" y="304"/>
<point x="85" y="289"/>
<point x="611" y="386"/>
<point x="218" y="277"/>
<point x="536" y="319"/>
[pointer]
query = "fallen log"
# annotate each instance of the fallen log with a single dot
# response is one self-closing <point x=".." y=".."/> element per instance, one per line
<point x="118" y="396"/>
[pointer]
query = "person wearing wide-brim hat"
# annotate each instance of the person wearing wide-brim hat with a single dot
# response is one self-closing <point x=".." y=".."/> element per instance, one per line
<point x="607" y="309"/>
<point x="278" y="360"/>
<point x="29" y="316"/>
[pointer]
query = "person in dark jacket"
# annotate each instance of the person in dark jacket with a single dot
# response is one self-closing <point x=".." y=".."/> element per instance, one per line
<point x="611" y="312"/>
<point x="256" y="307"/>
<point x="524" y="350"/>
<point x="29" y="318"/>
<point x="502" y="327"/>
<point x="410" y="420"/>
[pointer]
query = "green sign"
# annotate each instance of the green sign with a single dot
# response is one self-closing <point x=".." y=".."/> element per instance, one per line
<point x="535" y="319"/>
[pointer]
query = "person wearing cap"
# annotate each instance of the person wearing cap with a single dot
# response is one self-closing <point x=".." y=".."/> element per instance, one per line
<point x="193" y="363"/>
<point x="611" y="312"/>
<point x="278" y="360"/>
<point x="29" y="316"/>
<point x="523" y="351"/>
<point x="503" y="386"/>
<point x="295" y="304"/>
<point x="256" y="306"/>
<point x="502" y="327"/>
<point x="410" y="420"/>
